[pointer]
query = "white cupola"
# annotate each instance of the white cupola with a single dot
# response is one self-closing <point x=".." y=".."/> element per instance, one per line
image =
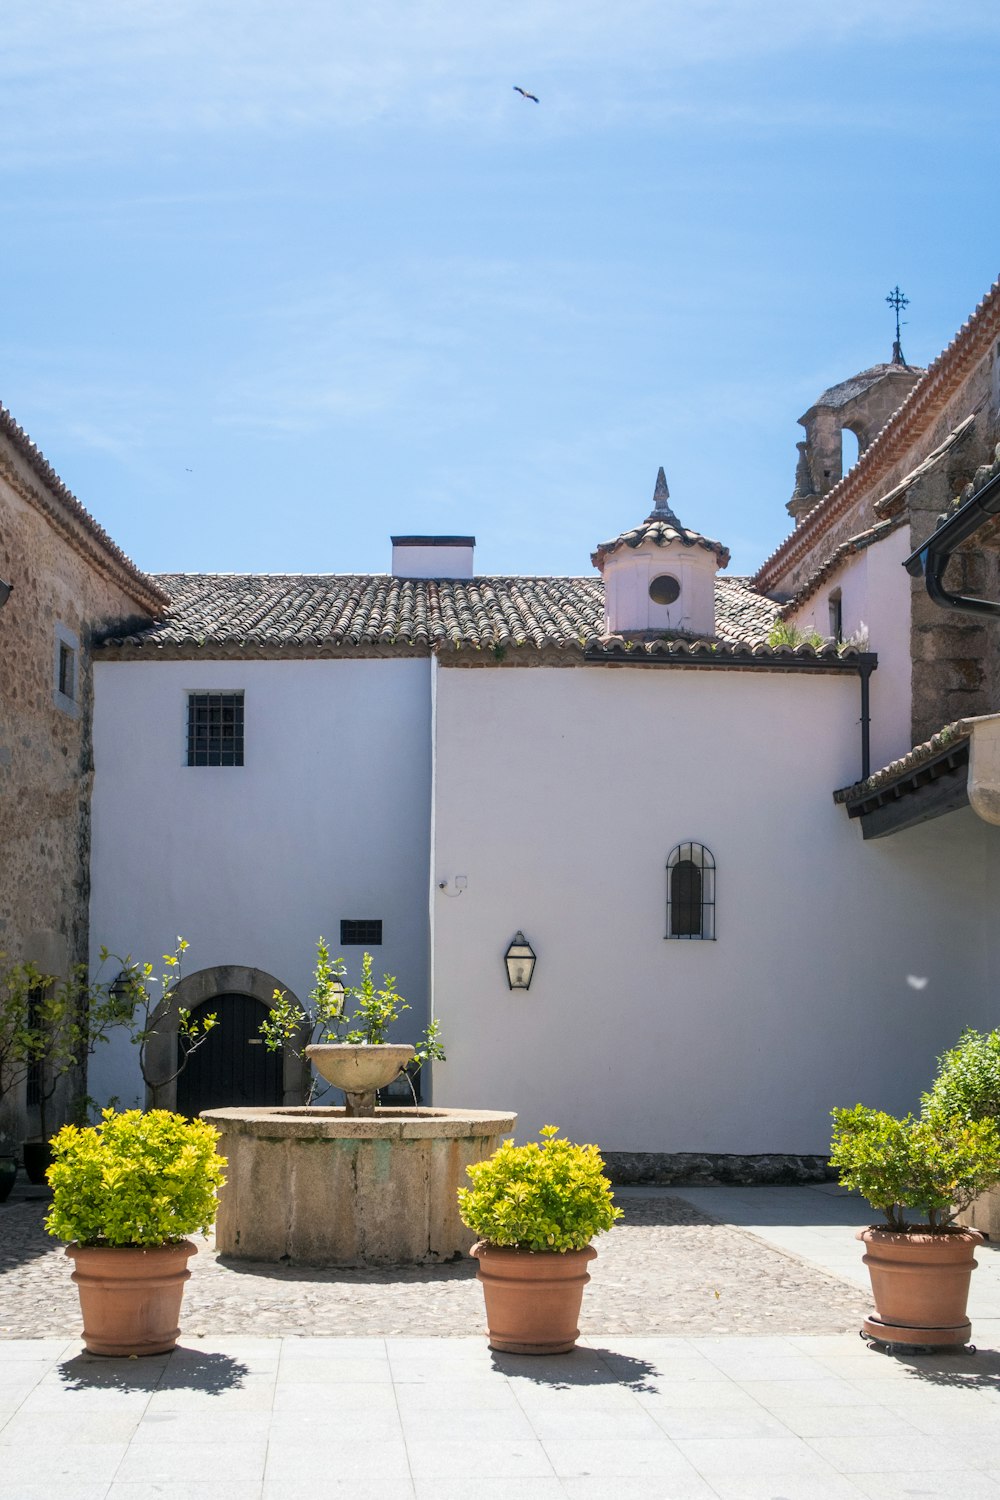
<point x="660" y="576"/>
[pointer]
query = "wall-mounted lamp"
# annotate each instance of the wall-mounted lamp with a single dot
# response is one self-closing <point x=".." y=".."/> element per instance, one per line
<point x="6" y="589"/>
<point x="520" y="961"/>
<point x="124" y="987"/>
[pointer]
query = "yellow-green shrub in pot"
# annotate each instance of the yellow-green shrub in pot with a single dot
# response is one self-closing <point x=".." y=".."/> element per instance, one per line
<point x="920" y="1271"/>
<point x="968" y="1084"/>
<point x="536" y="1208"/>
<point x="125" y="1194"/>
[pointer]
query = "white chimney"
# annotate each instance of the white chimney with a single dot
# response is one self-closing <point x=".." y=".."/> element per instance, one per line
<point x="432" y="556"/>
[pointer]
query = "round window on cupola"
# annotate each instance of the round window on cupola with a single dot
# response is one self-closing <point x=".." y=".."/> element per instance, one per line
<point x="664" y="589"/>
<point x="660" y="575"/>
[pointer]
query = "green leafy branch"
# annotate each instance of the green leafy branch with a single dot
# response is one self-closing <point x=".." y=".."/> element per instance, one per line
<point x="331" y="1017"/>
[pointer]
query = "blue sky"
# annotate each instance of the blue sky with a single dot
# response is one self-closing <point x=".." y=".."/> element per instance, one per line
<point x="282" y="279"/>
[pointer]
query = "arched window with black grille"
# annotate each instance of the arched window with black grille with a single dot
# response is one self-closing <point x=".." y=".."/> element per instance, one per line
<point x="691" y="892"/>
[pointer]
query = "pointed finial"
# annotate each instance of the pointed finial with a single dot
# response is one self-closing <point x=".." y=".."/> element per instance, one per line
<point x="661" y="494"/>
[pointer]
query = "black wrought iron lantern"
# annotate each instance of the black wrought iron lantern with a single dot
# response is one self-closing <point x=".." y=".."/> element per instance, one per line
<point x="520" y="961"/>
<point x="336" y="992"/>
<point x="123" y="987"/>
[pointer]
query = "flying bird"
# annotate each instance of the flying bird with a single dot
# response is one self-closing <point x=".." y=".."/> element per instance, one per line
<point x="524" y="94"/>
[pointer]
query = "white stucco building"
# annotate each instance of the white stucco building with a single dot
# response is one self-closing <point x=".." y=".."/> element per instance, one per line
<point x="757" y="879"/>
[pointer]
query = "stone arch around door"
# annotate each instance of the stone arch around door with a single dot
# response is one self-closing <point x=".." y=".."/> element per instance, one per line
<point x="198" y="989"/>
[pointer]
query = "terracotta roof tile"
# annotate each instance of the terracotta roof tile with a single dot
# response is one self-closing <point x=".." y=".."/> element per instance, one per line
<point x="306" y="614"/>
<point x="661" y="529"/>
<point x="950" y="737"/>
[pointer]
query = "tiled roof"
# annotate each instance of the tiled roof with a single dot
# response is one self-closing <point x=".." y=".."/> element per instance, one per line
<point x="741" y="613"/>
<point x="839" y="395"/>
<point x="913" y="418"/>
<point x="74" y="521"/>
<point x="854" y="544"/>
<point x="663" y="651"/>
<point x="661" y="531"/>
<point x="661" y="527"/>
<point x="950" y="738"/>
<point x="332" y="614"/>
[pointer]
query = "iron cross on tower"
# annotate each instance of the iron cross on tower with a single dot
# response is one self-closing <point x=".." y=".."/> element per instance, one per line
<point x="897" y="302"/>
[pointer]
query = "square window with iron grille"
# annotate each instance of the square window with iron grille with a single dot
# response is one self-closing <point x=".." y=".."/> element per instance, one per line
<point x="215" y="729"/>
<point x="358" y="932"/>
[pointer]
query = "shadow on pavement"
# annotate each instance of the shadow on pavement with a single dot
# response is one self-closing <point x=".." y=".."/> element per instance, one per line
<point x="962" y="1370"/>
<point x="579" y="1367"/>
<point x="188" y="1369"/>
<point x="426" y="1275"/>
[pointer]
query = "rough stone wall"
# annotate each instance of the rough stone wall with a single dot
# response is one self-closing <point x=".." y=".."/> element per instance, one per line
<point x="45" y="739"/>
<point x="707" y="1169"/>
<point x="956" y="657"/>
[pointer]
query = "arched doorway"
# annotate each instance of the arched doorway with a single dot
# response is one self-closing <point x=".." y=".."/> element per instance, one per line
<point x="231" y="1068"/>
<point x="198" y="993"/>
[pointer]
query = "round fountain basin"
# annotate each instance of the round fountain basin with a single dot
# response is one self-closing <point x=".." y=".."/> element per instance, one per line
<point x="314" y="1186"/>
<point x="358" y="1069"/>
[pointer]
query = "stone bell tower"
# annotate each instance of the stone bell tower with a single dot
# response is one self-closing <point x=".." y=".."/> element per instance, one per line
<point x="862" y="405"/>
<point x="660" y="576"/>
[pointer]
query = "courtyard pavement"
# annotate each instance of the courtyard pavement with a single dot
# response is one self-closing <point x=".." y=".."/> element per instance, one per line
<point x="758" y="1416"/>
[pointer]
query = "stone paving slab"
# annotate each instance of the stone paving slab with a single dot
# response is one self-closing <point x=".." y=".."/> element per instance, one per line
<point x="667" y="1269"/>
<point x="442" y="1419"/>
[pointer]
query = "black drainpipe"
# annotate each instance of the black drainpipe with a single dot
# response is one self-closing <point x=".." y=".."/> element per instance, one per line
<point x="933" y="557"/>
<point x="867" y="662"/>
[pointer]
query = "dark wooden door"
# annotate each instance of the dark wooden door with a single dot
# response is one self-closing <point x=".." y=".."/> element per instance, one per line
<point x="232" y="1067"/>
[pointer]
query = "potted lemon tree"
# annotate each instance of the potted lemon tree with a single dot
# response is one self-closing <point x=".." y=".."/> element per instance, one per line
<point x="349" y="1048"/>
<point x="536" y="1209"/>
<point x="125" y="1194"/>
<point x="920" y="1267"/>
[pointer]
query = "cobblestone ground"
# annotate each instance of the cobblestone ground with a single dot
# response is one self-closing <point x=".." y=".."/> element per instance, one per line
<point x="665" y="1269"/>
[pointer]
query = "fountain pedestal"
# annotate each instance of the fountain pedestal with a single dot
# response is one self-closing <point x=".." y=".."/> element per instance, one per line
<point x="317" y="1187"/>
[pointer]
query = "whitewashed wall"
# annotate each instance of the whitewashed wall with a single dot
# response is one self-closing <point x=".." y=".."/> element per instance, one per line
<point x="875" y="591"/>
<point x="629" y="573"/>
<point x="841" y="968"/>
<point x="328" y="818"/>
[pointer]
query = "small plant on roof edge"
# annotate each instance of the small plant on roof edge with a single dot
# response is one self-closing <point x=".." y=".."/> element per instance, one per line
<point x="552" y="1196"/>
<point x="136" y="1179"/>
<point x="784" y="633"/>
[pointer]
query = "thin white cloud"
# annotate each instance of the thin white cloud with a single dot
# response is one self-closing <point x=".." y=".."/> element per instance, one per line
<point x="85" y="78"/>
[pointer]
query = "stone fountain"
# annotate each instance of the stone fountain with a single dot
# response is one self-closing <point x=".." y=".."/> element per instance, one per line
<point x="317" y="1186"/>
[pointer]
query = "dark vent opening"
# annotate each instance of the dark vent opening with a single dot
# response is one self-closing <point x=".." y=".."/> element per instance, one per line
<point x="356" y="932"/>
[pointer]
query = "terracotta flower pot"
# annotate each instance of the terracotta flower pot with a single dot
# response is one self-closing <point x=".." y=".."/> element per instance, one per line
<point x="8" y="1176"/>
<point x="130" y="1296"/>
<point x="920" y="1283"/>
<point x="37" y="1161"/>
<point x="532" y="1297"/>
